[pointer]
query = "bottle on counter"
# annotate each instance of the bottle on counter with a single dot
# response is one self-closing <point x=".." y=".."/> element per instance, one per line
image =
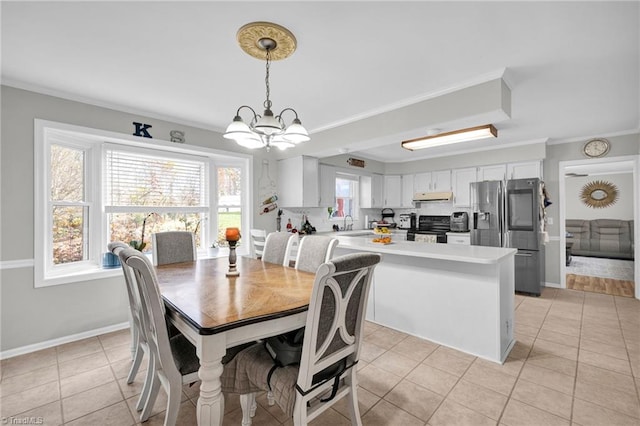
<point x="289" y="225"/>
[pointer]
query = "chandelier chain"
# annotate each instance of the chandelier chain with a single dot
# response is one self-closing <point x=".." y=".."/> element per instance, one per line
<point x="267" y="102"/>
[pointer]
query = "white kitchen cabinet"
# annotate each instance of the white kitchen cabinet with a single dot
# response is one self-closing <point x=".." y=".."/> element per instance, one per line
<point x="460" y="238"/>
<point x="407" y="191"/>
<point x="495" y="172"/>
<point x="327" y="186"/>
<point x="462" y="178"/>
<point x="529" y="169"/>
<point x="298" y="182"/>
<point x="433" y="181"/>
<point x="371" y="191"/>
<point x="392" y="191"/>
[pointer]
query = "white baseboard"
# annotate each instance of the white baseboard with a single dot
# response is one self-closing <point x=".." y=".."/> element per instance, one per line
<point x="552" y="285"/>
<point x="61" y="340"/>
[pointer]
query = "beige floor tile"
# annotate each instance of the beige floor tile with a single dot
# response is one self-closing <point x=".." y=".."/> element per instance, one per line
<point x="415" y="348"/>
<point x="545" y="347"/>
<point x="588" y="414"/>
<point x="519" y="414"/>
<point x="442" y="359"/>
<point x="29" y="399"/>
<point x="555" y="337"/>
<point x="377" y="380"/>
<point x="452" y="413"/>
<point x="605" y="361"/>
<point x="563" y="326"/>
<point x="133" y="389"/>
<point x="395" y="363"/>
<point x="22" y="364"/>
<point x="385" y="414"/>
<point x="490" y="378"/>
<point x="370" y="327"/>
<point x="274" y="410"/>
<point x="456" y="353"/>
<point x="118" y="353"/>
<point x="609" y="339"/>
<point x="115" y="338"/>
<point x="192" y="391"/>
<point x="520" y="350"/>
<point x="366" y="400"/>
<point x="82" y="364"/>
<point x="187" y="415"/>
<point x="158" y="407"/>
<point x="330" y="418"/>
<point x="478" y="398"/>
<point x="386" y="338"/>
<point x="511" y="366"/>
<point x="548" y="378"/>
<point x="84" y="381"/>
<point x="608" y="397"/>
<point x="526" y="329"/>
<point x="555" y="363"/>
<point x="433" y="379"/>
<point x="121" y="368"/>
<point x="78" y="349"/>
<point x="610" y="328"/>
<point x="369" y="351"/>
<point x="262" y="417"/>
<point x="28" y="380"/>
<point x="604" y="377"/>
<point x="114" y="415"/>
<point x="45" y="415"/>
<point x="83" y="403"/>
<point x="543" y="398"/>
<point x="414" y="399"/>
<point x="604" y="348"/>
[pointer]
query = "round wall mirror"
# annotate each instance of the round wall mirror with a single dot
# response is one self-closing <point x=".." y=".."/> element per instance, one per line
<point x="599" y="194"/>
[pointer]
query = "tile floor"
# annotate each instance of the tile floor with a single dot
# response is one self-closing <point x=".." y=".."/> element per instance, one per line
<point x="576" y="361"/>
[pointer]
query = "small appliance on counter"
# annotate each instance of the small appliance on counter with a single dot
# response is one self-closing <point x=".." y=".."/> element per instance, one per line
<point x="407" y="221"/>
<point x="430" y="229"/>
<point x="459" y="222"/>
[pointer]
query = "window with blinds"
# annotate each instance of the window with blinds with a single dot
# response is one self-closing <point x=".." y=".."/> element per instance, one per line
<point x="154" y="192"/>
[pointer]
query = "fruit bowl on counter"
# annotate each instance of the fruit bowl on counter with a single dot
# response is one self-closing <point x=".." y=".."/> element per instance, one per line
<point x="382" y="235"/>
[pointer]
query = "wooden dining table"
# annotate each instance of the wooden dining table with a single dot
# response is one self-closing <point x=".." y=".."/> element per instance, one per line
<point x="216" y="312"/>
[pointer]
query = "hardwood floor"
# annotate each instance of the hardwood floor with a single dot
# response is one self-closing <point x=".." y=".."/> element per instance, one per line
<point x="601" y="285"/>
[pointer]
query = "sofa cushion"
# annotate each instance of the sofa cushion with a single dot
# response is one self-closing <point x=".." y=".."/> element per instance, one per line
<point x="609" y="238"/>
<point x="581" y="231"/>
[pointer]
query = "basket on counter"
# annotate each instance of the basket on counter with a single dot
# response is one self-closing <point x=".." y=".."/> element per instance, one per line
<point x="382" y="235"/>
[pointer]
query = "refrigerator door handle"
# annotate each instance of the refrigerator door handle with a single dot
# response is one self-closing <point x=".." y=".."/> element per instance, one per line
<point x="524" y="254"/>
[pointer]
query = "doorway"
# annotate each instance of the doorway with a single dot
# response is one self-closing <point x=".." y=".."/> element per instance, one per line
<point x="571" y="175"/>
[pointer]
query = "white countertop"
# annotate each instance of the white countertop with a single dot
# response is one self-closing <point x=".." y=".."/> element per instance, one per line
<point x="452" y="252"/>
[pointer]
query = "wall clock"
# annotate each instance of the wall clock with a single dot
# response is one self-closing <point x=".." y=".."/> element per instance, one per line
<point x="595" y="148"/>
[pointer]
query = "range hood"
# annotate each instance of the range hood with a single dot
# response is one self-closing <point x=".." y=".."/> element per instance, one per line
<point x="433" y="196"/>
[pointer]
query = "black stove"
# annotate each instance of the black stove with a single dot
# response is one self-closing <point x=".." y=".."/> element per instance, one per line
<point x="431" y="225"/>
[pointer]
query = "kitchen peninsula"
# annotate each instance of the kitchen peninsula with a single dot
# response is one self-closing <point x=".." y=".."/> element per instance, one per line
<point x="458" y="296"/>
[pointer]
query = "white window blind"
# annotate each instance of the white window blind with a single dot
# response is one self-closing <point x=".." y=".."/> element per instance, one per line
<point x="135" y="178"/>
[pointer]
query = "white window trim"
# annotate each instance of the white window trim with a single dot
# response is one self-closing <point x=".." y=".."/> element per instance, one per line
<point x="44" y="132"/>
<point x="356" y="208"/>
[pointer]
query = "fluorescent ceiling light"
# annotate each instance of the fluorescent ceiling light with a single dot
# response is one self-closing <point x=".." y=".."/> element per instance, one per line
<point x="463" y="135"/>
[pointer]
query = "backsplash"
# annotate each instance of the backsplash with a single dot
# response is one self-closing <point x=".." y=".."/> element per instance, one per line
<point x="319" y="217"/>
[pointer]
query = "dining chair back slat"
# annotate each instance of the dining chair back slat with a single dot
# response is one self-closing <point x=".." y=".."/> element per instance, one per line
<point x="258" y="237"/>
<point x="277" y="247"/>
<point x="313" y="251"/>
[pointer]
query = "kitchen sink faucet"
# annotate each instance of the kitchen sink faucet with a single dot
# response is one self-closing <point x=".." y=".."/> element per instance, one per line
<point x="344" y="225"/>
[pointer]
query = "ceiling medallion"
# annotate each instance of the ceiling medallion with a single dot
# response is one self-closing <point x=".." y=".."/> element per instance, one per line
<point x="255" y="37"/>
<point x="599" y="194"/>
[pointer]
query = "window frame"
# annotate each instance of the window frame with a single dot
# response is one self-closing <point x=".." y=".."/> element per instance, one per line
<point x="95" y="143"/>
<point x="355" y="179"/>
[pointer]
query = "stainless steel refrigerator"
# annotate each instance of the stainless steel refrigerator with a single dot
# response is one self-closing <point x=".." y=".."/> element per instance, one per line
<point x="509" y="215"/>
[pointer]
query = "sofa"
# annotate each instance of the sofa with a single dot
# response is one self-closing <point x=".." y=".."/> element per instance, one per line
<point x="609" y="238"/>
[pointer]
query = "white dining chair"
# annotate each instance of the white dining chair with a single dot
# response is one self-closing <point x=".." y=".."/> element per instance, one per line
<point x="330" y="350"/>
<point x="278" y="247"/>
<point x="173" y="247"/>
<point x="258" y="237"/>
<point x="313" y="251"/>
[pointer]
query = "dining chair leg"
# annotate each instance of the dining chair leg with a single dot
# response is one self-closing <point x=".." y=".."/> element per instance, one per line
<point x="354" y="409"/>
<point x="247" y="402"/>
<point x="174" y="394"/>
<point x="146" y="387"/>
<point x="137" y="360"/>
<point x="151" y="398"/>
<point x="270" y="399"/>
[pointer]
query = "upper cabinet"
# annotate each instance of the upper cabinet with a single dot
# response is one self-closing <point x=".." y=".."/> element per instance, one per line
<point x="529" y="169"/>
<point x="462" y="179"/>
<point x="298" y="182"/>
<point x="407" y="191"/>
<point x="327" y="186"/>
<point x="495" y="172"/>
<point x="392" y="191"/>
<point x="371" y="191"/>
<point x="433" y="181"/>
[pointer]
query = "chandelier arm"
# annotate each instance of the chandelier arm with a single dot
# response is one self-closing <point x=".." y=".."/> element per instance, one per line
<point x="247" y="106"/>
<point x="287" y="109"/>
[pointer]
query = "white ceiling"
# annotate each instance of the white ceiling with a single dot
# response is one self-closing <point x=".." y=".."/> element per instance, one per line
<point x="573" y="67"/>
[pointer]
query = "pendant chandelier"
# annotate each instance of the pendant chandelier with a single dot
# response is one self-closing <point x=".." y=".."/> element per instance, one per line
<point x="264" y="40"/>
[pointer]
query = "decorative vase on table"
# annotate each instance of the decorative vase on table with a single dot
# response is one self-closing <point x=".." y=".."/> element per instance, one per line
<point x="232" y="236"/>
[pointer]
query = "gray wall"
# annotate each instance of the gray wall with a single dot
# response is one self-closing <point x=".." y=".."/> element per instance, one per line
<point x="30" y="315"/>
<point x="622" y="209"/>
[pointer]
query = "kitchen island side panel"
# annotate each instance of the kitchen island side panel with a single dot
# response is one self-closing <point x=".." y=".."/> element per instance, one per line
<point x="465" y="306"/>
